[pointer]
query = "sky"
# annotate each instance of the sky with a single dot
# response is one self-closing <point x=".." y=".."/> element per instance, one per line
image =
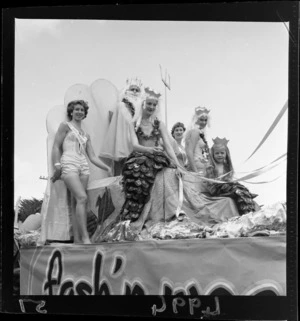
<point x="238" y="70"/>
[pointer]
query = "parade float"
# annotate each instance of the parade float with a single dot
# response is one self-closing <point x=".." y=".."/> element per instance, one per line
<point x="245" y="255"/>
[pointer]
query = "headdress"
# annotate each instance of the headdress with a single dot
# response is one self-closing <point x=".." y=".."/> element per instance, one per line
<point x="220" y="142"/>
<point x="133" y="98"/>
<point x="151" y="94"/>
<point x="134" y="82"/>
<point x="199" y="111"/>
<point x="148" y="94"/>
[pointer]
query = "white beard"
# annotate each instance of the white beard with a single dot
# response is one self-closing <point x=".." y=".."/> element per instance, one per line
<point x="135" y="100"/>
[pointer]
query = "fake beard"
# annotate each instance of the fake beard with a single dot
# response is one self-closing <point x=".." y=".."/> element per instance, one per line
<point x="135" y="100"/>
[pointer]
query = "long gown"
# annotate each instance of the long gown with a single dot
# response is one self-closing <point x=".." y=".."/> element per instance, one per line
<point x="117" y="142"/>
<point x="236" y="191"/>
<point x="169" y="195"/>
<point x="200" y="155"/>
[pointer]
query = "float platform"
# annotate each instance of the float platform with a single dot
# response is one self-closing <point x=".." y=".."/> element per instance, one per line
<point x="212" y="266"/>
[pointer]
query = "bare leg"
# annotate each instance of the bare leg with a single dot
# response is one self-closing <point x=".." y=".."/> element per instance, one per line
<point x="76" y="235"/>
<point x="84" y="181"/>
<point x="74" y="184"/>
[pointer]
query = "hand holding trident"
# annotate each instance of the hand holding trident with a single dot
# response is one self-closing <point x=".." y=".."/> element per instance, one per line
<point x="167" y="85"/>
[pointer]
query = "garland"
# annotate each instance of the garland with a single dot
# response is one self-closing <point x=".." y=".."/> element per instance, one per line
<point x="129" y="106"/>
<point x="155" y="134"/>
<point x="205" y="150"/>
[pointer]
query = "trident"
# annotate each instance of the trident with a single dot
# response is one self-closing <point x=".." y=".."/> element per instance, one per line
<point x="167" y="85"/>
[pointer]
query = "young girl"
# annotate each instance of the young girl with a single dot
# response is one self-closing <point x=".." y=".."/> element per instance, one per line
<point x="221" y="169"/>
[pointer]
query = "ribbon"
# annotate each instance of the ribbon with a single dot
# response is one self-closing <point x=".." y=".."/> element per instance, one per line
<point x="258" y="172"/>
<point x="200" y="177"/>
<point x="178" y="210"/>
<point x="264" y="182"/>
<point x="81" y="140"/>
<point x="252" y="174"/>
<point x="278" y="158"/>
<point x="275" y="122"/>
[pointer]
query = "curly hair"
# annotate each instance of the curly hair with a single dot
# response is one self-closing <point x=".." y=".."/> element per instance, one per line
<point x="72" y="104"/>
<point x="178" y="124"/>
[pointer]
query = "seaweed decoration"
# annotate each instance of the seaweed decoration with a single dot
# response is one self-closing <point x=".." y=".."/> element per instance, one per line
<point x="92" y="222"/>
<point x="105" y="206"/>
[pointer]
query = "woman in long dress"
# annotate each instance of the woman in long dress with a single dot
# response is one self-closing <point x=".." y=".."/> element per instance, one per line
<point x="197" y="148"/>
<point x="157" y="189"/>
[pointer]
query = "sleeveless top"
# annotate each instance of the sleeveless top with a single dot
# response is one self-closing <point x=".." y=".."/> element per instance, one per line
<point x="155" y="134"/>
<point x="74" y="143"/>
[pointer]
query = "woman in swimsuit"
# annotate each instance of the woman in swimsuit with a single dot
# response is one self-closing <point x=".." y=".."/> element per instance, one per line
<point x="71" y="150"/>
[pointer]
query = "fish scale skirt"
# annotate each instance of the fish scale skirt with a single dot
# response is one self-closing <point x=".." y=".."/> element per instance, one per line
<point x="139" y="172"/>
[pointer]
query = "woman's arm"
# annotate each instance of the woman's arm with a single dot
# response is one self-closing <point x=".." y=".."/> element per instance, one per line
<point x="190" y="148"/>
<point x="94" y="159"/>
<point x="56" y="150"/>
<point x="168" y="148"/>
<point x="137" y="146"/>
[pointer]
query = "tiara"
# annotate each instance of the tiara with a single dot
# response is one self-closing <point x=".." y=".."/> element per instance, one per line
<point x="201" y="110"/>
<point x="219" y="141"/>
<point x="134" y="82"/>
<point x="151" y="93"/>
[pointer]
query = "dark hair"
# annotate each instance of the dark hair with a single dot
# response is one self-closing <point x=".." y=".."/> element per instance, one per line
<point x="72" y="104"/>
<point x="178" y="124"/>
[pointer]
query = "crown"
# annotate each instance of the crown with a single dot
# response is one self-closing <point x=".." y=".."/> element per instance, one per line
<point x="151" y="93"/>
<point x="219" y="141"/>
<point x="201" y="110"/>
<point x="134" y="82"/>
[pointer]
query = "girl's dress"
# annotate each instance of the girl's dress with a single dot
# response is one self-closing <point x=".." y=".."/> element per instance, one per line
<point x="156" y="192"/>
<point x="236" y="191"/>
